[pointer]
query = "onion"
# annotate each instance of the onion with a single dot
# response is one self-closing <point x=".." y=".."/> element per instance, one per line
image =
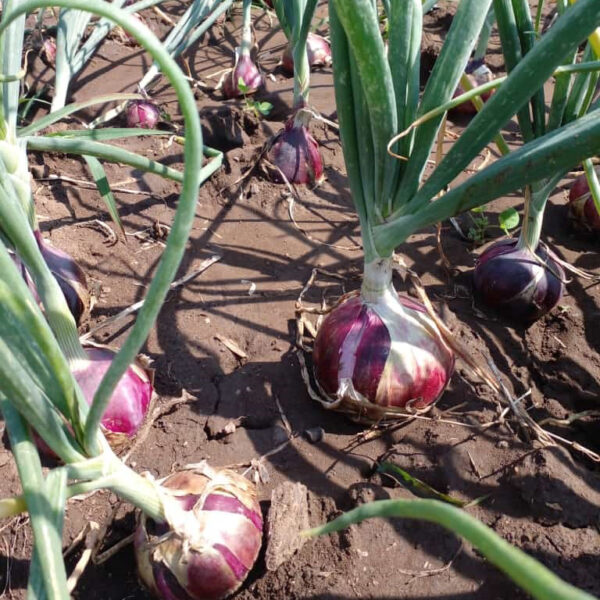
<point x="317" y="50"/>
<point x="211" y="539"/>
<point x="478" y="73"/>
<point x="380" y="351"/>
<point x="246" y="71"/>
<point x="48" y="51"/>
<point x="69" y="275"/>
<point x="128" y="406"/>
<point x="582" y="207"/>
<point x="143" y="114"/>
<point x="516" y="283"/>
<point x="123" y="36"/>
<point x="296" y="153"/>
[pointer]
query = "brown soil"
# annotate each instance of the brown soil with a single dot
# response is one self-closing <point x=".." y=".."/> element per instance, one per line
<point x="545" y="501"/>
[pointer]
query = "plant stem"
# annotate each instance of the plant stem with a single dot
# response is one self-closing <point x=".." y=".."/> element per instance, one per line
<point x="46" y="533"/>
<point x="377" y="279"/>
<point x="301" y="66"/>
<point x="107" y="471"/>
<point x="533" y="218"/>
<point x="246" y="44"/>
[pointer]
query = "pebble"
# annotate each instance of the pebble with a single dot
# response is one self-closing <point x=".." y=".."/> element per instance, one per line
<point x="314" y="434"/>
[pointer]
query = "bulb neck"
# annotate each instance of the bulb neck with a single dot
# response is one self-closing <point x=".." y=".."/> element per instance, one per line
<point x="377" y="279"/>
<point x="302" y="116"/>
<point x="533" y="218"/>
<point x="246" y="44"/>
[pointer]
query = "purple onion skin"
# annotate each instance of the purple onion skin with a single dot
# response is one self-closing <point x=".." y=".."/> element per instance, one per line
<point x="70" y="278"/>
<point x="354" y="332"/>
<point x="248" y="72"/>
<point x="130" y="401"/>
<point x="220" y="551"/>
<point x="512" y="283"/>
<point x="297" y="154"/>
<point x="318" y="52"/>
<point x="128" y="406"/>
<point x="476" y="79"/>
<point x="142" y="114"/>
<point x="581" y="205"/>
<point x="48" y="51"/>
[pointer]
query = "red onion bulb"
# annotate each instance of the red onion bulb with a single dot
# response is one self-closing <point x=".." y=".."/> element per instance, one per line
<point x="318" y="52"/>
<point x="373" y="353"/>
<point x="143" y="114"/>
<point x="296" y="153"/>
<point x="516" y="284"/>
<point x="48" y="51"/>
<point x="128" y="406"/>
<point x="478" y="73"/>
<point x="69" y="275"/>
<point x="581" y="204"/>
<point x="246" y="71"/>
<point x="211" y="539"/>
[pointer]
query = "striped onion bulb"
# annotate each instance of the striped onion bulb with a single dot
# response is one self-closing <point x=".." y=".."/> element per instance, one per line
<point x="210" y="541"/>
<point x="379" y="353"/>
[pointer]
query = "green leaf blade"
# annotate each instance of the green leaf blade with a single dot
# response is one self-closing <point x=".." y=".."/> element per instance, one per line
<point x="99" y="175"/>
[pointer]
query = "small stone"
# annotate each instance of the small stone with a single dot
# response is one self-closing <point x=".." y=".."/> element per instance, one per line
<point x="314" y="434"/>
<point x="287" y="517"/>
<point x="502" y="444"/>
<point x="280" y="435"/>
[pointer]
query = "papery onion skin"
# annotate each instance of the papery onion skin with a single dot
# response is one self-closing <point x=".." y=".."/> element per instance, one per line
<point x="143" y="114"/>
<point x="511" y="282"/>
<point x="582" y="207"/>
<point x="318" y="53"/>
<point x="354" y="343"/>
<point x="478" y="74"/>
<point x="218" y="539"/>
<point x="248" y="72"/>
<point x="296" y="153"/>
<point x="129" y="403"/>
<point x="70" y="278"/>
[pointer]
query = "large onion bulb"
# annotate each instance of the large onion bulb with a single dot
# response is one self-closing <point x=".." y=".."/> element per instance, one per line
<point x="380" y="353"/>
<point x="211" y="539"/>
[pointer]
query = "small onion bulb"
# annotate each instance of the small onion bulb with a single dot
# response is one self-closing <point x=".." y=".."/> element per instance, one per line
<point x="519" y="285"/>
